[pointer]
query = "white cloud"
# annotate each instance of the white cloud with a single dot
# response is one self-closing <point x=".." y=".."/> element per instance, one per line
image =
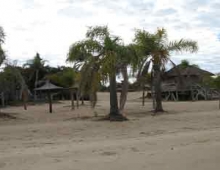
<point x="51" y="26"/>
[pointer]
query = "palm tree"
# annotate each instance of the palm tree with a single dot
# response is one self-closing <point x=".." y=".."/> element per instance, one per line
<point x="36" y="64"/>
<point x="185" y="63"/>
<point x="97" y="56"/>
<point x="127" y="58"/>
<point x="156" y="50"/>
<point x="2" y="38"/>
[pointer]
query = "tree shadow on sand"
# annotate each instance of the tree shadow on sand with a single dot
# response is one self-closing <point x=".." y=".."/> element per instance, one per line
<point x="7" y="116"/>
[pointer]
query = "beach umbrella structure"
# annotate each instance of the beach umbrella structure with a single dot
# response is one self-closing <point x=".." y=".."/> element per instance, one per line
<point x="48" y="87"/>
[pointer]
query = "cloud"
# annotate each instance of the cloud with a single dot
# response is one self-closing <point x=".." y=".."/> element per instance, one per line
<point x="51" y="26"/>
<point x="164" y="12"/>
<point x="75" y="12"/>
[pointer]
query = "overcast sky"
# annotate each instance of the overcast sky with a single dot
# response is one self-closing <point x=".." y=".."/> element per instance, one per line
<point x="51" y="26"/>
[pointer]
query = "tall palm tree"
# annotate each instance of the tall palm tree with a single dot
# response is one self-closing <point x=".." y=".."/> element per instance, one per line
<point x="2" y="38"/>
<point x="36" y="64"/>
<point x="97" y="56"/>
<point x="156" y="49"/>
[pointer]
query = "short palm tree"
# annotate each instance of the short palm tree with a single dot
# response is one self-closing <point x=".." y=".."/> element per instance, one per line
<point x="156" y="49"/>
<point x="98" y="56"/>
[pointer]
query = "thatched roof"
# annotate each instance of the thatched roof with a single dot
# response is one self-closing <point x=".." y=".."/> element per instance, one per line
<point x="190" y="70"/>
<point x="48" y="86"/>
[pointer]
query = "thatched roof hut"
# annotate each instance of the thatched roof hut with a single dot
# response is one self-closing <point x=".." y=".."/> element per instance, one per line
<point x="185" y="76"/>
<point x="187" y="71"/>
<point x="48" y="87"/>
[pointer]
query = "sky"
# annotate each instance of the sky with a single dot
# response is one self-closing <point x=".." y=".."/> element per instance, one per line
<point x="51" y="26"/>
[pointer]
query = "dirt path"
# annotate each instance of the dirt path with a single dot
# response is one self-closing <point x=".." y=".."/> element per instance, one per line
<point x="187" y="137"/>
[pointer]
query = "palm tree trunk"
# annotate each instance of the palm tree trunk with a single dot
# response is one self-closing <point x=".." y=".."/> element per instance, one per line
<point x="114" y="114"/>
<point x="157" y="88"/>
<point x="124" y="91"/>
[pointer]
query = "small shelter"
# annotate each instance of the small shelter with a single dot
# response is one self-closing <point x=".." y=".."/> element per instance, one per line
<point x="185" y="82"/>
<point x="48" y="88"/>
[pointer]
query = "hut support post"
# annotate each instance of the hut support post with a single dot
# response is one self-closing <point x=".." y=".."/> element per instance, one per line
<point x="50" y="101"/>
<point x="177" y="96"/>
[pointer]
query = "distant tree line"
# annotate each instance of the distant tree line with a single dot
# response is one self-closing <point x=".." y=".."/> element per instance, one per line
<point x="98" y="59"/>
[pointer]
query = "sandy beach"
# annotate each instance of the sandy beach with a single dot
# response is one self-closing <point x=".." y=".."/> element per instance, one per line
<point x="187" y="136"/>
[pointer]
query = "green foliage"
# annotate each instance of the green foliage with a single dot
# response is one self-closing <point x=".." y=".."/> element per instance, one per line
<point x="34" y="70"/>
<point x="213" y="82"/>
<point x="2" y="38"/>
<point x="11" y="80"/>
<point x="185" y="63"/>
<point x="64" y="78"/>
<point x="36" y="63"/>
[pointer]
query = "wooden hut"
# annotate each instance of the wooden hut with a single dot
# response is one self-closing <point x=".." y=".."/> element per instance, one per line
<point x="186" y="83"/>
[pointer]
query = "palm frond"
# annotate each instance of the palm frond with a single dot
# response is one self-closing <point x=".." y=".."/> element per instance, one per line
<point x="2" y="35"/>
<point x="97" y="32"/>
<point x="183" y="45"/>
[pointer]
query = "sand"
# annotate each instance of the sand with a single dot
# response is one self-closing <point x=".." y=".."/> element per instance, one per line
<point x="186" y="137"/>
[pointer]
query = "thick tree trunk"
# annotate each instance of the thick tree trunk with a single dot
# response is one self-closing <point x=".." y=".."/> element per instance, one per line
<point x="114" y="114"/>
<point x="157" y="88"/>
<point x="124" y="91"/>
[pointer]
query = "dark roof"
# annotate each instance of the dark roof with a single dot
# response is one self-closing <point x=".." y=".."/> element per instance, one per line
<point x="48" y="86"/>
<point x="190" y="70"/>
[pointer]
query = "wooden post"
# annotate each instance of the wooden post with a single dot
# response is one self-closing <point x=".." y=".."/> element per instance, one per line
<point x="77" y="99"/>
<point x="3" y="99"/>
<point x="191" y="90"/>
<point x="82" y="99"/>
<point x="72" y="99"/>
<point x="50" y="101"/>
<point x="177" y="96"/>
<point x="143" y="97"/>
<point x="35" y="85"/>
